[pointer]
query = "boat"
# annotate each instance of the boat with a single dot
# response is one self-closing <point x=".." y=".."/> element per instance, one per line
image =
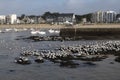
<point x="42" y="32"/>
<point x="7" y="30"/>
<point x="57" y="31"/>
<point x="24" y="29"/>
<point x="39" y="59"/>
<point x="0" y="31"/>
<point x="51" y="31"/>
<point x="38" y="32"/>
<point x="16" y="30"/>
<point x="34" y="32"/>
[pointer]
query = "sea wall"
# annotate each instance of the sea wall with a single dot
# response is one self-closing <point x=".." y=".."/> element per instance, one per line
<point x="71" y="32"/>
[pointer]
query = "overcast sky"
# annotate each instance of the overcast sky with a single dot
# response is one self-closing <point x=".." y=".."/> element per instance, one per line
<point x="38" y="7"/>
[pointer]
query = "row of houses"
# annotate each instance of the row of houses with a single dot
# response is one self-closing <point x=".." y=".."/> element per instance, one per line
<point x="13" y="19"/>
<point x="63" y="18"/>
<point x="32" y="19"/>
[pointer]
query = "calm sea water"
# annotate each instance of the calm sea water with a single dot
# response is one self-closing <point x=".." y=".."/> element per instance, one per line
<point x="11" y="48"/>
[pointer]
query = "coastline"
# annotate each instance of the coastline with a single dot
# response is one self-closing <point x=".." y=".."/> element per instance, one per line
<point x="48" y="26"/>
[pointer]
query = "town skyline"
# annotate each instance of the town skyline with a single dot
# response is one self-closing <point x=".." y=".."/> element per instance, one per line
<point x="38" y="7"/>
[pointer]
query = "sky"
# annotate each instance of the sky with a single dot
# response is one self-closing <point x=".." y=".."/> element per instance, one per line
<point x="38" y="7"/>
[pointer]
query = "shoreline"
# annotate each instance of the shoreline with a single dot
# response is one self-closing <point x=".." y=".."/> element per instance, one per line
<point x="48" y="26"/>
<point x="28" y="26"/>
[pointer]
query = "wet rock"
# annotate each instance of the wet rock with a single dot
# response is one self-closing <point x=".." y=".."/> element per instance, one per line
<point x="69" y="64"/>
<point x="39" y="59"/>
<point x="34" y="38"/>
<point x="117" y="59"/>
<point x="74" y="51"/>
<point x="22" y="60"/>
<point x="117" y="54"/>
<point x="111" y="62"/>
<point x="44" y="38"/>
<point x="55" y="60"/>
<point x="97" y="58"/>
<point x="90" y="63"/>
<point x="11" y="70"/>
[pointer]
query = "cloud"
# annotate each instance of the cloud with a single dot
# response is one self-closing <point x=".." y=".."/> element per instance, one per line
<point x="30" y="6"/>
<point x="85" y="6"/>
<point x="41" y="6"/>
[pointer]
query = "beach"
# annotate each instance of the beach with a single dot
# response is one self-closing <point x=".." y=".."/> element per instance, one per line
<point x="36" y="26"/>
<point x="48" y="26"/>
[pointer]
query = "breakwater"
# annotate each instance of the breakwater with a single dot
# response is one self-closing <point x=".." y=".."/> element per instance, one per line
<point x="71" y="32"/>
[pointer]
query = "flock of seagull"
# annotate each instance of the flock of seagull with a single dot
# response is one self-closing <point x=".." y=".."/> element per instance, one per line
<point x="71" y="51"/>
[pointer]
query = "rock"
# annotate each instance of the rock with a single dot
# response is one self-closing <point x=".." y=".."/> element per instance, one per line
<point x="111" y="62"/>
<point x="11" y="70"/>
<point x="117" y="59"/>
<point x="117" y="54"/>
<point x="39" y="59"/>
<point x="22" y="60"/>
<point x="69" y="64"/>
<point x="97" y="58"/>
<point x="90" y="63"/>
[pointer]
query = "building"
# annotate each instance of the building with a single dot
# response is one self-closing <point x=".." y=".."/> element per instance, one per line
<point x="64" y="18"/>
<point x="118" y="18"/>
<point x="11" y="19"/>
<point x="110" y="16"/>
<point x="41" y="20"/>
<point x="2" y="19"/>
<point x="84" y="20"/>
<point x="51" y="19"/>
<point x="99" y="17"/>
<point x="104" y="17"/>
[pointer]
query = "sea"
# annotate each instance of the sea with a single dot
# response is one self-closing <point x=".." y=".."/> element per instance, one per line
<point x="12" y="44"/>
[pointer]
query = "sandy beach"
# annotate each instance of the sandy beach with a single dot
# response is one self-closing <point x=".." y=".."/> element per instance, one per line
<point x="43" y="26"/>
<point x="60" y="26"/>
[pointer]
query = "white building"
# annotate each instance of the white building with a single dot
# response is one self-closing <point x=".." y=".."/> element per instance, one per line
<point x="110" y="16"/>
<point x="66" y="18"/>
<point x="84" y="20"/>
<point x="11" y="19"/>
<point x="99" y="17"/>
<point x="2" y="19"/>
<point x="104" y="17"/>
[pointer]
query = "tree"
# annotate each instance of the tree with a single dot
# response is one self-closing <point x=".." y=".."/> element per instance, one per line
<point x="22" y="16"/>
<point x="46" y="14"/>
<point x="118" y="16"/>
<point x="80" y="17"/>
